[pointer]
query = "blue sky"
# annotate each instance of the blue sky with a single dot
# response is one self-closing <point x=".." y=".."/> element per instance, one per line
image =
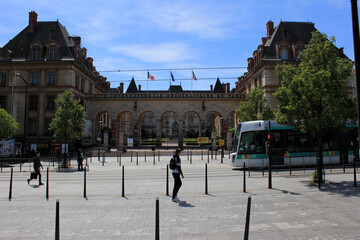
<point x="137" y="34"/>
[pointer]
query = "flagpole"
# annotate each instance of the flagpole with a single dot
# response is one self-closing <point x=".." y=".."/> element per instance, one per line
<point x="191" y="80"/>
<point x="147" y="82"/>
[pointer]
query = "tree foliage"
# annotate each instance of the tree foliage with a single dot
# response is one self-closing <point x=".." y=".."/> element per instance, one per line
<point x="254" y="108"/>
<point x="69" y="120"/>
<point x="8" y="125"/>
<point x="314" y="92"/>
<point x="312" y="96"/>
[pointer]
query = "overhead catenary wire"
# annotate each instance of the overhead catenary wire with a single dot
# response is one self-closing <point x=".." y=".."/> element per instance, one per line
<point x="171" y="69"/>
<point x="166" y="80"/>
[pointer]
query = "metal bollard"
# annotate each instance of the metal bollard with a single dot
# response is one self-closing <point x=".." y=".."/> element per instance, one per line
<point x="202" y="154"/>
<point x="154" y="158"/>
<point x="145" y="156"/>
<point x="167" y="180"/>
<point x="57" y="220"/>
<point x="244" y="179"/>
<point x="123" y="182"/>
<point x="120" y="158"/>
<point x="47" y="184"/>
<point x="247" y="223"/>
<point x="85" y="182"/>
<point x="157" y="220"/>
<point x="206" y="179"/>
<point x="158" y="155"/>
<point x="10" y="189"/>
<point x="190" y="157"/>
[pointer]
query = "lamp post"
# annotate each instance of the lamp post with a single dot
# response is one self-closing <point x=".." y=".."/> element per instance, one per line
<point x="222" y="137"/>
<point x="25" y="111"/>
<point x="99" y="140"/>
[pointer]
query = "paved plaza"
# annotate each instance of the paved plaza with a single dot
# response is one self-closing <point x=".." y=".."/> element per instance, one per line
<point x="293" y="209"/>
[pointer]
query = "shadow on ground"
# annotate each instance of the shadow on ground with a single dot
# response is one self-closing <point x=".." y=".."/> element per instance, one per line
<point x="344" y="188"/>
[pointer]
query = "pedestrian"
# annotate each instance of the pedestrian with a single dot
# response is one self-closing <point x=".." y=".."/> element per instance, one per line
<point x="80" y="159"/>
<point x="37" y="165"/>
<point x="176" y="172"/>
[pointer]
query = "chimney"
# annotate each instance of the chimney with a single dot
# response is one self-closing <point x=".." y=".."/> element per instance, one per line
<point x="32" y="21"/>
<point x="263" y="40"/>
<point x="121" y="88"/>
<point x="228" y="88"/>
<point x="211" y="88"/>
<point x="269" y="28"/>
<point x="139" y="88"/>
<point x="77" y="41"/>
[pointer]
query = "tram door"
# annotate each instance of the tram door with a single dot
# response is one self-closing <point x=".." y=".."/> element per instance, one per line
<point x="278" y="148"/>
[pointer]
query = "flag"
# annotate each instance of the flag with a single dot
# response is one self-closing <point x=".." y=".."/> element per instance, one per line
<point x="194" y="77"/>
<point x="150" y="76"/>
<point x="172" y="77"/>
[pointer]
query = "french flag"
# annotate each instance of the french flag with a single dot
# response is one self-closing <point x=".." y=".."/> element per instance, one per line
<point x="151" y="76"/>
<point x="194" y="77"/>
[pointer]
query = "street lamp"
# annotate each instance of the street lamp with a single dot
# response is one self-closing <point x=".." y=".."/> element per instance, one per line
<point x="99" y="139"/>
<point x="25" y="111"/>
<point x="222" y="137"/>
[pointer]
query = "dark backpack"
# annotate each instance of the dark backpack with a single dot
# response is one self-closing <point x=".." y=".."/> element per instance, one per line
<point x="172" y="164"/>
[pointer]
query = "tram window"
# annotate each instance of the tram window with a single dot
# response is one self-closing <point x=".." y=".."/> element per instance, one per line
<point x="247" y="143"/>
<point x="297" y="142"/>
<point x="259" y="142"/>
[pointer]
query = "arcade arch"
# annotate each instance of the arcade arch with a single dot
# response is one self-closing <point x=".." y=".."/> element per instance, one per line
<point x="169" y="124"/>
<point x="125" y="127"/>
<point x="102" y="120"/>
<point x="192" y="124"/>
<point x="147" y="124"/>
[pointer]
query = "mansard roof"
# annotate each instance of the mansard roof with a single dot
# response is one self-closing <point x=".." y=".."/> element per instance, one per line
<point x="290" y="32"/>
<point x="175" y="89"/>
<point x="45" y="32"/>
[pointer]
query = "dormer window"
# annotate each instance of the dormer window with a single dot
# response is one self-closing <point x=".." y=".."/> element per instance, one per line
<point x="36" y="53"/>
<point x="52" y="52"/>
<point x="284" y="53"/>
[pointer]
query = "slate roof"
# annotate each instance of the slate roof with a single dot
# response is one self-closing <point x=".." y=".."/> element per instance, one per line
<point x="44" y="33"/>
<point x="218" y="87"/>
<point x="291" y="32"/>
<point x="175" y="89"/>
<point x="132" y="87"/>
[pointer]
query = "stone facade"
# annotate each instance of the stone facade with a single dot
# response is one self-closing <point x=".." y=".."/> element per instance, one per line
<point x="282" y="43"/>
<point x="52" y="61"/>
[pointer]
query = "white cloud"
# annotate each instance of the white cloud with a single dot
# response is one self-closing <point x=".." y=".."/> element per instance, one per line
<point x="204" y="20"/>
<point x="156" y="53"/>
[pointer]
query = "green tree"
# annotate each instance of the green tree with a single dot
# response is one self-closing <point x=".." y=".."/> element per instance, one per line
<point x="69" y="120"/>
<point x="254" y="108"/>
<point x="8" y="125"/>
<point x="313" y="93"/>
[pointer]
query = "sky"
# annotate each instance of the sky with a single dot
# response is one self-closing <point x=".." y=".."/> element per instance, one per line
<point x="179" y="36"/>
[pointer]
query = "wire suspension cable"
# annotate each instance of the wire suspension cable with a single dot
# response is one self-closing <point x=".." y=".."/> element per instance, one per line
<point x="177" y="79"/>
<point x="171" y="69"/>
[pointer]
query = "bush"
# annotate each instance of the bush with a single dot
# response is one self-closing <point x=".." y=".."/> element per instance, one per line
<point x="314" y="177"/>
